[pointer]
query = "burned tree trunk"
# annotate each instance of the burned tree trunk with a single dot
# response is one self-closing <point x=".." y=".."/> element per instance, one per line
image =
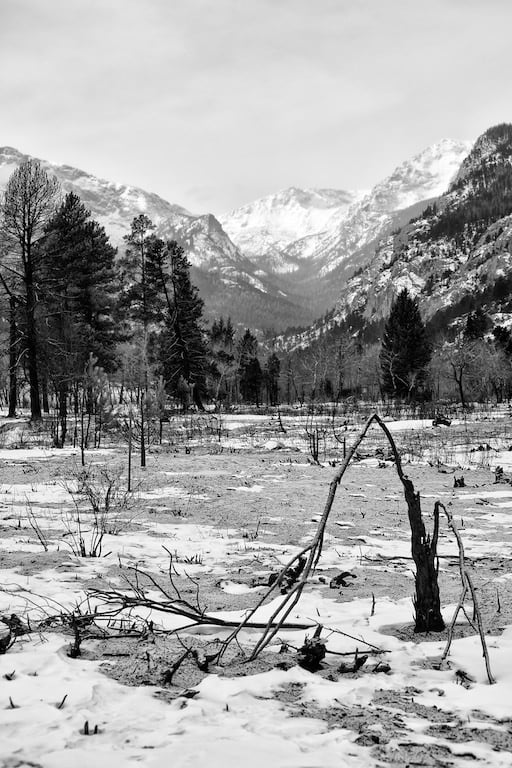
<point x="13" y="358"/>
<point x="427" y="604"/>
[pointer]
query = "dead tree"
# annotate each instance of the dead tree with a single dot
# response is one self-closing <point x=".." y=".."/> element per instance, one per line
<point x="428" y="617"/>
<point x="30" y="198"/>
<point x="467" y="586"/>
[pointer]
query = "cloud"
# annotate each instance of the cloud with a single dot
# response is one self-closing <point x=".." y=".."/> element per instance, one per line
<point x="244" y="97"/>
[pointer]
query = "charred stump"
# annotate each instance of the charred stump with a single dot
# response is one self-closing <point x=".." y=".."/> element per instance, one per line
<point x="427" y="603"/>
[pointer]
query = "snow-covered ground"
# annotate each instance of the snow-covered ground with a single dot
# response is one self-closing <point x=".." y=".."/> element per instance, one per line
<point x="202" y="507"/>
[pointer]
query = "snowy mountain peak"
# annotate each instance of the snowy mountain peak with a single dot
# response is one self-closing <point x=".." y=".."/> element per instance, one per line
<point x="296" y="229"/>
<point x="264" y="228"/>
<point x="423" y="177"/>
<point x="455" y="253"/>
<point x="428" y="174"/>
<point x="113" y="204"/>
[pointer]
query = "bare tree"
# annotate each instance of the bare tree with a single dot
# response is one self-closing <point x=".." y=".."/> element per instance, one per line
<point x="463" y="360"/>
<point x="30" y="199"/>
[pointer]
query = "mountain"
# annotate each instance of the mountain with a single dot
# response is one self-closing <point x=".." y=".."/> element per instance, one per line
<point x="456" y="255"/>
<point x="229" y="282"/>
<point x="264" y="229"/>
<point x="115" y="205"/>
<point x="425" y="176"/>
<point x="284" y="259"/>
<point x="338" y="230"/>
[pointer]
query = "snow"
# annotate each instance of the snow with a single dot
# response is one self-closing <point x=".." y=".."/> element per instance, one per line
<point x="48" y="697"/>
<point x="272" y="223"/>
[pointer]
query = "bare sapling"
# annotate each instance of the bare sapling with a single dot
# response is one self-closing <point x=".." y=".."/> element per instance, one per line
<point x="99" y="508"/>
<point x="316" y="435"/>
<point x="467" y="586"/>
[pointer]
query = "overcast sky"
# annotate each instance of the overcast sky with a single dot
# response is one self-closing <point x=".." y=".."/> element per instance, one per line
<point x="213" y="103"/>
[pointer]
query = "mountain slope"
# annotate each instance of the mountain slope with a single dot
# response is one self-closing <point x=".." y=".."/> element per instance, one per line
<point x="231" y="284"/>
<point x="423" y="177"/>
<point x="291" y="253"/>
<point x="312" y="232"/>
<point x="457" y="253"/>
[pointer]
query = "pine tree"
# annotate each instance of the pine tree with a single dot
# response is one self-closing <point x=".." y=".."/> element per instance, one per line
<point x="30" y="199"/>
<point x="249" y="368"/>
<point x="77" y="282"/>
<point x="405" y="351"/>
<point x="252" y="381"/>
<point x="182" y="348"/>
<point x="137" y="296"/>
<point x="503" y="339"/>
<point x="477" y="324"/>
<point x="272" y="371"/>
<point x="142" y="300"/>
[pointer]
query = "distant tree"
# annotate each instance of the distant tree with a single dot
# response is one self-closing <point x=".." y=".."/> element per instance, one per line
<point x="503" y="339"/>
<point x="251" y="381"/>
<point x="137" y="297"/>
<point x="182" y="348"/>
<point x="141" y="299"/>
<point x="271" y="376"/>
<point x="463" y="359"/>
<point x="312" y="367"/>
<point x="30" y="199"/>
<point x="405" y="350"/>
<point x="347" y="354"/>
<point x="223" y="363"/>
<point x="366" y="372"/>
<point x="477" y="324"/>
<point x="497" y="372"/>
<point x="249" y="368"/>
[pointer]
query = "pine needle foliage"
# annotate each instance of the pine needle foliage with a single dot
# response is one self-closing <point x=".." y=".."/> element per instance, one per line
<point x="405" y="351"/>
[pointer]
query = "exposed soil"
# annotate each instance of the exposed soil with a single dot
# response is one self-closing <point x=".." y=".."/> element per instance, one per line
<point x="272" y="502"/>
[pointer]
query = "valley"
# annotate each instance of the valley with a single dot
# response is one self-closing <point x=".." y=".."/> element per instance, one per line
<point x="282" y="260"/>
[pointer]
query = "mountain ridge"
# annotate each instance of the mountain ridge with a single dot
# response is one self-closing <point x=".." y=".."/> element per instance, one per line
<point x="455" y="255"/>
<point x="286" y="283"/>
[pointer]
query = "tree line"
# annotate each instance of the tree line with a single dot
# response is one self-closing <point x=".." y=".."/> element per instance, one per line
<point x="84" y="324"/>
<point x="79" y="317"/>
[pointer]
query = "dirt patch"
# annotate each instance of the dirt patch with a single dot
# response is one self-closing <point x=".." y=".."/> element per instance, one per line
<point x="384" y="726"/>
<point x="29" y="563"/>
<point x="176" y="665"/>
<point x="265" y="506"/>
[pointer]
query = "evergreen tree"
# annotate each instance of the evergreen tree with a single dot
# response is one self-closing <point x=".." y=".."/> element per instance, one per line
<point x="252" y="381"/>
<point x="272" y="371"/>
<point x="249" y="368"/>
<point x="142" y="301"/>
<point x="138" y="296"/>
<point x="78" y="285"/>
<point x="503" y="339"/>
<point x="183" y="354"/>
<point x="405" y="351"/>
<point x="477" y="324"/>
